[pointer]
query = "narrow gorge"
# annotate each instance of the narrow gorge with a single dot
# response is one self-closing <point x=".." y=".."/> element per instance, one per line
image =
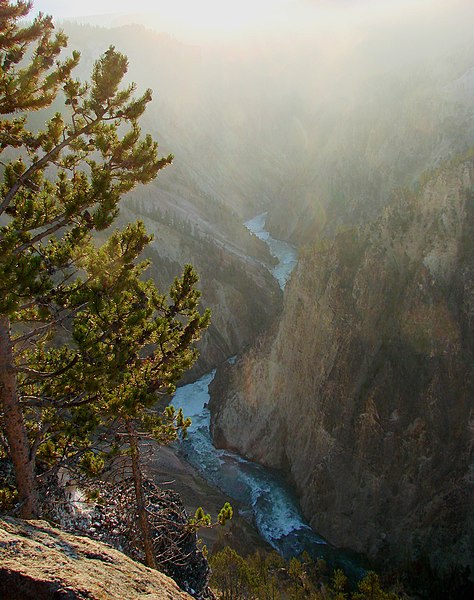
<point x="320" y="180"/>
<point x="362" y="395"/>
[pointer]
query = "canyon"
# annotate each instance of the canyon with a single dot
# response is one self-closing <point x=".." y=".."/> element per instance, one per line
<point x="355" y="382"/>
<point x="362" y="394"/>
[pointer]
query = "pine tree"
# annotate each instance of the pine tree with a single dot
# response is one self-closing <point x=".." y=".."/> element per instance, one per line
<point x="85" y="341"/>
<point x="369" y="588"/>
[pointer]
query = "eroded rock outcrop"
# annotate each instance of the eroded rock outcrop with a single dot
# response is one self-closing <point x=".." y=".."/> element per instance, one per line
<point x="41" y="562"/>
<point x="106" y="510"/>
<point x="364" y="395"/>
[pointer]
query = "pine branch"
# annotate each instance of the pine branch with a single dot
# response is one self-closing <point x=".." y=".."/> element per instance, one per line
<point x="44" y="374"/>
<point x="35" y="332"/>
<point x="44" y="328"/>
<point x="41" y="236"/>
<point x="39" y="439"/>
<point x="43" y="401"/>
<point x="43" y="162"/>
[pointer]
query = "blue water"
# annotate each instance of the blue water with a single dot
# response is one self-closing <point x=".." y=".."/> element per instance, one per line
<point x="286" y="254"/>
<point x="268" y="502"/>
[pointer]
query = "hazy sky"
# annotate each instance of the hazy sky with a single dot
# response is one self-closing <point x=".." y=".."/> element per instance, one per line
<point x="213" y="12"/>
<point x="202" y="19"/>
<point x="67" y="8"/>
<point x="181" y="17"/>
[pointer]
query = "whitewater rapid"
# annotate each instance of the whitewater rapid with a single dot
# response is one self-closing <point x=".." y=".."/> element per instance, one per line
<point x="270" y="504"/>
<point x="285" y="253"/>
<point x="266" y="500"/>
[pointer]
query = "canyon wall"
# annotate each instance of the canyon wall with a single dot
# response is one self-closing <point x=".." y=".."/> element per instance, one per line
<point x="363" y="394"/>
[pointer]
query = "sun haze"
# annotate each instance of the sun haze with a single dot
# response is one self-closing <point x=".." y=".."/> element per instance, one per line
<point x="184" y="18"/>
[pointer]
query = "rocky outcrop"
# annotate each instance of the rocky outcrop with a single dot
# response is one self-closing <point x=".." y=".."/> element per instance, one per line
<point x="106" y="510"/>
<point x="41" y="562"/>
<point x="364" y="393"/>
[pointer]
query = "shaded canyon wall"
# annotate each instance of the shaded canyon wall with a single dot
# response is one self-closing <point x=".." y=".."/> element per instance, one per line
<point x="364" y="393"/>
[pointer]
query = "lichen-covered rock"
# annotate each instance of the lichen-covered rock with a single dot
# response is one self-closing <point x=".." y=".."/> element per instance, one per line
<point x="113" y="519"/>
<point x="364" y="395"/>
<point x="41" y="562"/>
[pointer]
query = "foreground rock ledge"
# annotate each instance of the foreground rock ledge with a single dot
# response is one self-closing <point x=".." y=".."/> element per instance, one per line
<point x="41" y="562"/>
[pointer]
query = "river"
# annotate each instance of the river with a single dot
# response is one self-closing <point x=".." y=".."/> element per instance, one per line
<point x="268" y="502"/>
<point x="285" y="253"/>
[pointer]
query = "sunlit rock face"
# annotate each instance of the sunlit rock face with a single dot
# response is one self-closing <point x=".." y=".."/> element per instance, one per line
<point x="41" y="562"/>
<point x="364" y="394"/>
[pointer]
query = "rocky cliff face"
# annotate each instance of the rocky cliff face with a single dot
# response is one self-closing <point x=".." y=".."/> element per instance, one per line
<point x="364" y="393"/>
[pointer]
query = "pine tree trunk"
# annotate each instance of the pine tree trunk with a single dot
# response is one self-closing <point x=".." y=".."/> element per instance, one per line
<point x="141" y="505"/>
<point x="15" y="430"/>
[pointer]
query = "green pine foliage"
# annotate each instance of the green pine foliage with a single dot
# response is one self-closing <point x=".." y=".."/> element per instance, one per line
<point x="370" y="589"/>
<point x="86" y="341"/>
<point x="267" y="576"/>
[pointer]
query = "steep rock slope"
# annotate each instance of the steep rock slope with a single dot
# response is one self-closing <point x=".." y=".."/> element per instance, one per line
<point x="235" y="282"/>
<point x="41" y="562"/>
<point x="364" y="393"/>
<point x="357" y="153"/>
